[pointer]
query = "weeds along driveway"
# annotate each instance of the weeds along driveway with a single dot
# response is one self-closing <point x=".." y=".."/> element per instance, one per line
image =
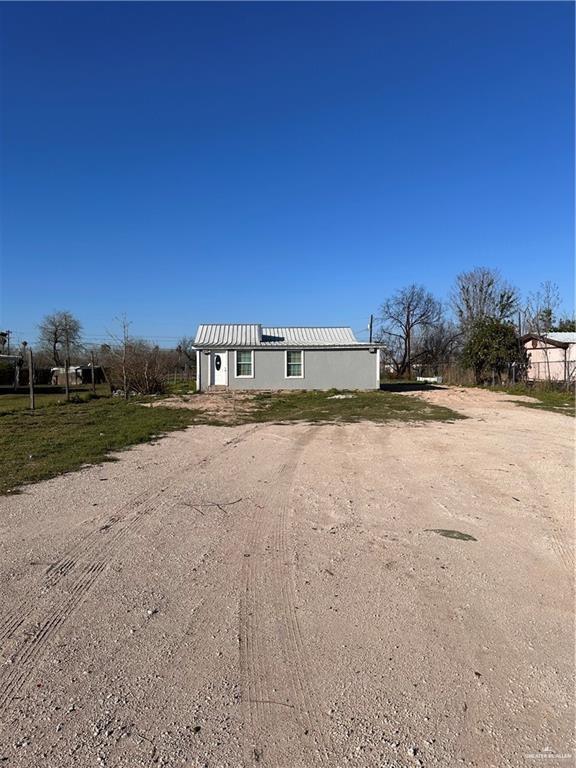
<point x="279" y="595"/>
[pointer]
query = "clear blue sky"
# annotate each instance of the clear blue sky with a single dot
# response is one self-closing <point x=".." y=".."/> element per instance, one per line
<point x="283" y="163"/>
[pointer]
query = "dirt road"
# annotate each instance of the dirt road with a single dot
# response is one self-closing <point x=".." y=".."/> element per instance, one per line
<point x="279" y="596"/>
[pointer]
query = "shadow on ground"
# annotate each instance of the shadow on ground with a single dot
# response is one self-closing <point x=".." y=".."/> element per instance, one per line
<point x="407" y="386"/>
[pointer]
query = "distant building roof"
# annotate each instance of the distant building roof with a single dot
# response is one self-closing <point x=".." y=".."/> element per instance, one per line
<point x="556" y="338"/>
<point x="255" y="335"/>
<point x="568" y="337"/>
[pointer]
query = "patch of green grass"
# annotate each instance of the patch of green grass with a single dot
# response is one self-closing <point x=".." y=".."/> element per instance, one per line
<point x="35" y="445"/>
<point x="181" y="387"/>
<point x="324" y="407"/>
<point x="551" y="399"/>
<point x="44" y="396"/>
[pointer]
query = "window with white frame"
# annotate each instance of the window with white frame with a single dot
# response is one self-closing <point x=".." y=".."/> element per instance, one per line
<point x="294" y="364"/>
<point x="244" y="364"/>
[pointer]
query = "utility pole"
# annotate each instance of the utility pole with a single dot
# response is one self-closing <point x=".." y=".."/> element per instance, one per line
<point x="370" y="327"/>
<point x="519" y="344"/>
<point x="66" y="381"/>
<point x="31" y="377"/>
<point x="67" y="360"/>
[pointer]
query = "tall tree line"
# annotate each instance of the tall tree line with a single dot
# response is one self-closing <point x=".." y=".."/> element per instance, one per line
<point x="479" y="326"/>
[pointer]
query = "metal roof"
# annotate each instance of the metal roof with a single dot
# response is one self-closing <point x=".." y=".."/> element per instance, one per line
<point x="258" y="336"/>
<point x="228" y="335"/>
<point x="568" y="337"/>
<point x="304" y="337"/>
<point x="555" y="339"/>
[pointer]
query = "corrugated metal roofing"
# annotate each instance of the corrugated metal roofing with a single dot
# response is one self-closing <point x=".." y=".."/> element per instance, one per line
<point x="304" y="337"/>
<point x="568" y="337"/>
<point x="257" y="336"/>
<point x="228" y="335"/>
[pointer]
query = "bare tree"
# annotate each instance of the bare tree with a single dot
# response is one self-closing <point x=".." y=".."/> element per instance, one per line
<point x="408" y="312"/>
<point x="118" y="351"/>
<point x="540" y="314"/>
<point x="438" y="344"/>
<point x="60" y="334"/>
<point x="185" y="350"/>
<point x="482" y="293"/>
<point x="136" y="365"/>
<point x="542" y="307"/>
<point x="149" y="367"/>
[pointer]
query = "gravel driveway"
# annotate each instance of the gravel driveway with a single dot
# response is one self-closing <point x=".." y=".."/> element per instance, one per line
<point x="281" y="596"/>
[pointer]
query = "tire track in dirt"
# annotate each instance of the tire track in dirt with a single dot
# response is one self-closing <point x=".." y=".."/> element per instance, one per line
<point x="559" y="540"/>
<point x="563" y="549"/>
<point x="265" y="582"/>
<point x="10" y="626"/>
<point x="146" y="500"/>
<point x="294" y="646"/>
<point x="113" y="529"/>
<point x="253" y="660"/>
<point x="22" y="663"/>
<point x="205" y="615"/>
<point x="95" y="547"/>
<point x="230" y="548"/>
<point x="559" y="543"/>
<point x="77" y="575"/>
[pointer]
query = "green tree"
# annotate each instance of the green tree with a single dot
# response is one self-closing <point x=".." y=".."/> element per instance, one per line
<point x="492" y="348"/>
<point x="564" y="324"/>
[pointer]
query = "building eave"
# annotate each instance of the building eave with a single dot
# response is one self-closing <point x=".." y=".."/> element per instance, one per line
<point x="545" y="340"/>
<point x="270" y="346"/>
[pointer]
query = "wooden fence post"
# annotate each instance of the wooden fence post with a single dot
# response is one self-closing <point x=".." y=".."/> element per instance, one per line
<point x="66" y="381"/>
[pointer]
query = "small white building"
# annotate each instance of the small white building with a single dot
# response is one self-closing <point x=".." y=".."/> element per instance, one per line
<point x="58" y="376"/>
<point x="552" y="356"/>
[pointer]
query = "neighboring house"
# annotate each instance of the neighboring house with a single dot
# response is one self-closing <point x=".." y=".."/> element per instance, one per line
<point x="552" y="356"/>
<point x="253" y="357"/>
